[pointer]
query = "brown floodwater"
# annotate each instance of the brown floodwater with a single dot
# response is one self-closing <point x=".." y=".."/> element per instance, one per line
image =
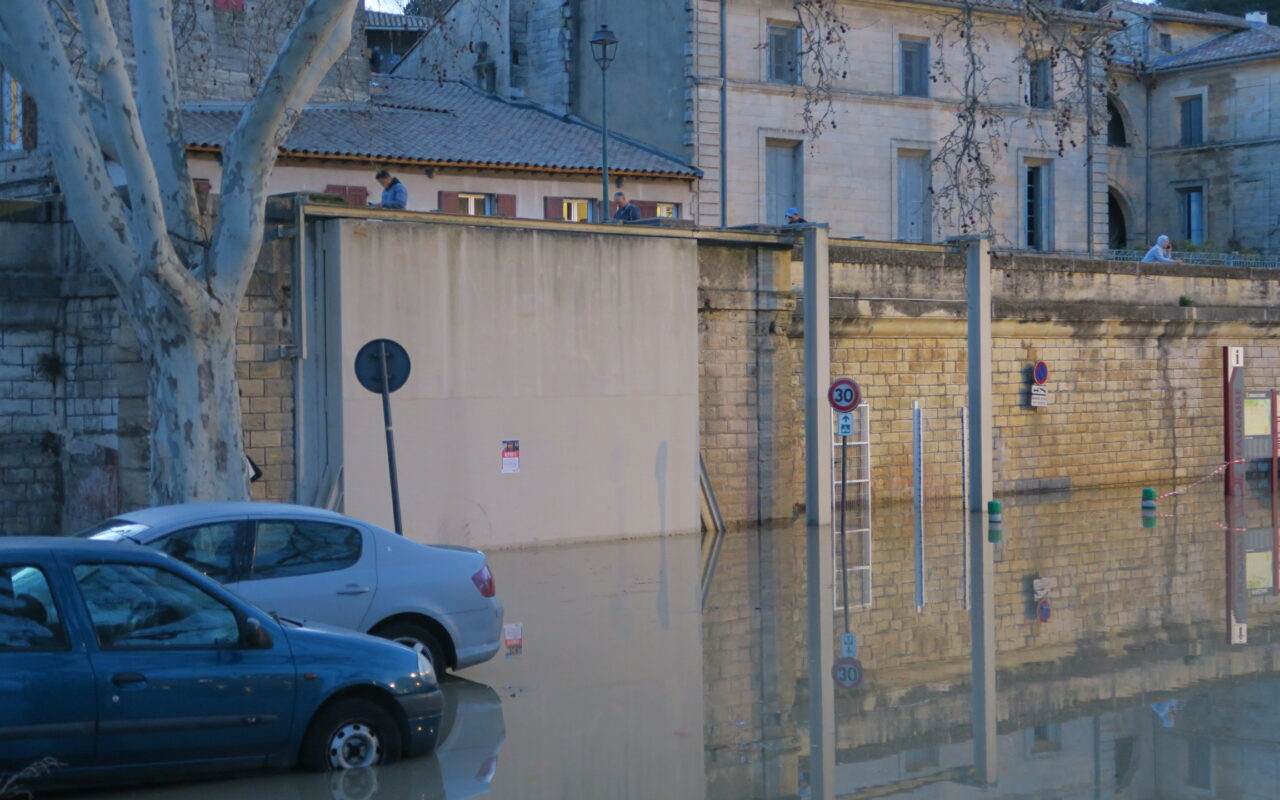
<point x="627" y="688"/>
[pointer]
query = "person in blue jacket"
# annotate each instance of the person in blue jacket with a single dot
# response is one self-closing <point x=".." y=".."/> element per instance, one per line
<point x="394" y="195"/>
<point x="1161" y="253"/>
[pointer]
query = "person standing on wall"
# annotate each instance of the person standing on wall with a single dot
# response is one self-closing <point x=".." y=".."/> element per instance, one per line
<point x="394" y="195"/>
<point x="626" y="212"/>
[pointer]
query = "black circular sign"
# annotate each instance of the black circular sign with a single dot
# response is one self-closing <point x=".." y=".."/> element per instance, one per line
<point x="369" y="365"/>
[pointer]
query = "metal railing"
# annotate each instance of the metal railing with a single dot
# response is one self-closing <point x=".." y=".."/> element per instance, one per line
<point x="1187" y="257"/>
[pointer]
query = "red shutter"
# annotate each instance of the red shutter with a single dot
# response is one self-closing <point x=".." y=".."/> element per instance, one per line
<point x="353" y="195"/>
<point x="229" y="5"/>
<point x="506" y="205"/>
<point x="29" y="141"/>
<point x="553" y="208"/>
<point x="447" y="202"/>
<point x="202" y="185"/>
<point x="647" y="208"/>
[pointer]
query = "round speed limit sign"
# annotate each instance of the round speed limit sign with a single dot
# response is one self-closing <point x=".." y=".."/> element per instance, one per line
<point x="847" y="673"/>
<point x="844" y="394"/>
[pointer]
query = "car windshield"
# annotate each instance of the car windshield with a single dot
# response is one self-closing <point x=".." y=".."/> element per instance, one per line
<point x="113" y="530"/>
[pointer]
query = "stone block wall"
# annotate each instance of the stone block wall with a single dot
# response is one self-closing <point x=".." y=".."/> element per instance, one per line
<point x="1135" y="375"/>
<point x="74" y="413"/>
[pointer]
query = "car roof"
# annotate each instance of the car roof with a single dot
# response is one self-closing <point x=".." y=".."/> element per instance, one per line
<point x="163" y="516"/>
<point x="19" y="546"/>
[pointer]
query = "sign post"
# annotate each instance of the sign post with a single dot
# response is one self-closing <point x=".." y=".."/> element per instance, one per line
<point x="844" y="396"/>
<point x="382" y="366"/>
<point x="1233" y="446"/>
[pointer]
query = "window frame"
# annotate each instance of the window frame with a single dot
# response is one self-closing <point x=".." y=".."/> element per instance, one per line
<point x="567" y="202"/>
<point x="236" y="613"/>
<point x="660" y="207"/>
<point x="1191" y="135"/>
<point x="490" y="203"/>
<point x="249" y="574"/>
<point x="1044" y="204"/>
<point x="1040" y="83"/>
<point x="1185" y="210"/>
<point x="776" y="31"/>
<point x="62" y="640"/>
<point x="921" y="47"/>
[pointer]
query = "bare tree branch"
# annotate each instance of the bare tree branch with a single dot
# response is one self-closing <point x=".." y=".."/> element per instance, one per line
<point x="157" y="79"/>
<point x="98" y="213"/>
<point x="319" y="40"/>
<point x="150" y="233"/>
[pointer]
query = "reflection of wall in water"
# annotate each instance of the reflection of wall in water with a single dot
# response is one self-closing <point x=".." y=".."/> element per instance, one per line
<point x="1135" y="611"/>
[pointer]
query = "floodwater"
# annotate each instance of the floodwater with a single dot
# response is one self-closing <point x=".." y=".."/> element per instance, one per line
<point x="626" y="688"/>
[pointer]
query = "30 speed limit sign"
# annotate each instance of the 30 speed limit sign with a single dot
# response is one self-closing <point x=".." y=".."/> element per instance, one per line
<point x="844" y="394"/>
<point x="847" y="673"/>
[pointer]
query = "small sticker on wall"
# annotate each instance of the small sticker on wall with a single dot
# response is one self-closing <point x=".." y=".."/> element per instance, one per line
<point x="510" y="456"/>
<point x="513" y="638"/>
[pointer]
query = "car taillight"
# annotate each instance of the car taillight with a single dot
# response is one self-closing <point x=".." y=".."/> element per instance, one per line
<point x="484" y="581"/>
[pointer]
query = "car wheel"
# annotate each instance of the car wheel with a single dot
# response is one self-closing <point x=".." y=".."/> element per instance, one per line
<point x="350" y="734"/>
<point x="416" y="637"/>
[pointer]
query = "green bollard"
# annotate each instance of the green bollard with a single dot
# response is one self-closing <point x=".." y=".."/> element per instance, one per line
<point x="995" y="521"/>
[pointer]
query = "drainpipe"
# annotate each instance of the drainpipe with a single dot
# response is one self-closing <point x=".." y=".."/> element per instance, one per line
<point x="724" y="122"/>
<point x="1147" y="81"/>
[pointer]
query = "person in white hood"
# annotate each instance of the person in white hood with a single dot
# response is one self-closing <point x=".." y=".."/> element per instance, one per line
<point x="1162" y="252"/>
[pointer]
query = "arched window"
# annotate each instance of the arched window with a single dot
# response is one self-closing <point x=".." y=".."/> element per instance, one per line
<point x="1116" y="134"/>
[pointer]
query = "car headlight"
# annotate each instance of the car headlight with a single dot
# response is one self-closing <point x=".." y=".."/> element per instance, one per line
<point x="424" y="666"/>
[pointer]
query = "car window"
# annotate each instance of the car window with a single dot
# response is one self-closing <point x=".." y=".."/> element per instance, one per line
<point x="28" y="616"/>
<point x="300" y="547"/>
<point x="206" y="548"/>
<point x="135" y="605"/>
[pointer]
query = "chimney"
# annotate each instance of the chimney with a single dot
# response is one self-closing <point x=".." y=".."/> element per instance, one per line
<point x="1260" y="17"/>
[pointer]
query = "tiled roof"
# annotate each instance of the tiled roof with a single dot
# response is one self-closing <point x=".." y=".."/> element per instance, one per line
<point x="1260" y="41"/>
<point x="422" y="121"/>
<point x="1181" y="14"/>
<point x="383" y="20"/>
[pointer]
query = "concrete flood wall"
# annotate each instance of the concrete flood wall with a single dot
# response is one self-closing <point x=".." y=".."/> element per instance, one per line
<point x="1134" y="352"/>
<point x="577" y="342"/>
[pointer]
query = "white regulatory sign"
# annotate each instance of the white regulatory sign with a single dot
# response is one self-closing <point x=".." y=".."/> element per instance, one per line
<point x="844" y="421"/>
<point x="1039" y="396"/>
<point x="848" y="645"/>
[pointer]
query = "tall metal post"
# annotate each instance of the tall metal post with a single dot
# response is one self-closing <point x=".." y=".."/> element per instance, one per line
<point x="1275" y="492"/>
<point x="604" y="144"/>
<point x="391" y="442"/>
<point x="982" y="619"/>
<point x="817" y="494"/>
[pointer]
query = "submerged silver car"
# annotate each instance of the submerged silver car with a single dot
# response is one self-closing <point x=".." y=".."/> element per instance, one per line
<point x="317" y="565"/>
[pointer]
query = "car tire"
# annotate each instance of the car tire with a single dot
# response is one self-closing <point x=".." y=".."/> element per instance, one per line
<point x="416" y="637"/>
<point x="350" y="734"/>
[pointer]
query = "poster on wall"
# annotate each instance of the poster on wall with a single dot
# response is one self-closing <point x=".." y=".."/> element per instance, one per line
<point x="510" y="456"/>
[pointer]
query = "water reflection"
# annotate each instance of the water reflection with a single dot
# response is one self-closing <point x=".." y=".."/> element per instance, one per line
<point x="624" y="690"/>
<point x="1133" y="669"/>
<point x="464" y="765"/>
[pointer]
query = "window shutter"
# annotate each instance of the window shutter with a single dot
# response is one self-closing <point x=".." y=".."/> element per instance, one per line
<point x="358" y="196"/>
<point x="506" y="205"/>
<point x="447" y="202"/>
<point x="229" y="5"/>
<point x="553" y="208"/>
<point x="647" y="208"/>
<point x="202" y="185"/>
<point x="29" y="138"/>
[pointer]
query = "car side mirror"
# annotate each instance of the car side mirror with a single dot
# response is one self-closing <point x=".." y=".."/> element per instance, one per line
<point x="254" y="636"/>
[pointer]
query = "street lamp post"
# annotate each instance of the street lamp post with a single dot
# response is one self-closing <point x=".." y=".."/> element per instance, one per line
<point x="604" y="45"/>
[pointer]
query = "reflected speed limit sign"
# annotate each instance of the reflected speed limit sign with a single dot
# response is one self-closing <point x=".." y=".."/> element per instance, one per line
<point x="847" y="673"/>
<point x="844" y="394"/>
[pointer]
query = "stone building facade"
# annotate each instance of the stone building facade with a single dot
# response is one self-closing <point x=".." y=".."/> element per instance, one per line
<point x="1194" y="150"/>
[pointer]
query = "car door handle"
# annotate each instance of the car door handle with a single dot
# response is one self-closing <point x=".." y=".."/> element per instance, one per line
<point x="123" y="678"/>
<point x="353" y="589"/>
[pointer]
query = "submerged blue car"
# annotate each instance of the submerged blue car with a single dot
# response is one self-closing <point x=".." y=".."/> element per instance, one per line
<point x="118" y="663"/>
